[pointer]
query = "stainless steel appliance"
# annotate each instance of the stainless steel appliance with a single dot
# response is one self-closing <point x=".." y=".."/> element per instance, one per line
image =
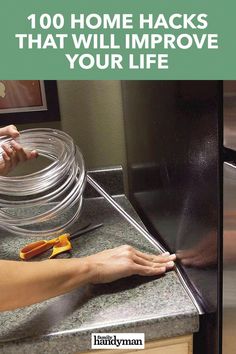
<point x="229" y="256"/>
<point x="174" y="137"/>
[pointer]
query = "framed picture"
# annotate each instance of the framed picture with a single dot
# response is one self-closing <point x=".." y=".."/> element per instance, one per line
<point x="28" y="101"/>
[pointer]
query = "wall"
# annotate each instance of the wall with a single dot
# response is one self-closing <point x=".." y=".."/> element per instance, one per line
<point x="91" y="112"/>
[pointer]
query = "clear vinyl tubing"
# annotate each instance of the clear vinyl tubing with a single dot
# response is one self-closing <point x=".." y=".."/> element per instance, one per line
<point x="59" y="186"/>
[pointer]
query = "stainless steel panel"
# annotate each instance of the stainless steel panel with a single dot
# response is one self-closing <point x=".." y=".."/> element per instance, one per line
<point x="230" y="114"/>
<point x="229" y="260"/>
<point x="172" y="139"/>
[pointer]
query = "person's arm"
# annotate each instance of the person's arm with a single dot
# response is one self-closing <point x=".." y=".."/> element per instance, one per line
<point x="26" y="283"/>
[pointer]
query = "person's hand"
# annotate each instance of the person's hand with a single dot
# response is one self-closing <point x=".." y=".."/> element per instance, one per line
<point x="13" y="153"/>
<point x="124" y="261"/>
<point x="204" y="254"/>
<point x="9" y="130"/>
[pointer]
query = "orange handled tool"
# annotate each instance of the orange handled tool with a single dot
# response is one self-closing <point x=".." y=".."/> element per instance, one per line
<point x="60" y="244"/>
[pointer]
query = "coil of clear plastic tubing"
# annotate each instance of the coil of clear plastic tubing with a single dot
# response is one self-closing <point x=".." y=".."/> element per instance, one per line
<point x="49" y="200"/>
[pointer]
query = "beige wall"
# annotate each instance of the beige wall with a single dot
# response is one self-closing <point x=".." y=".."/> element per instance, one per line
<point x="91" y="112"/>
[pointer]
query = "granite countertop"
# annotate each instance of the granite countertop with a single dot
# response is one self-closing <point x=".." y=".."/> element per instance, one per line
<point x="157" y="306"/>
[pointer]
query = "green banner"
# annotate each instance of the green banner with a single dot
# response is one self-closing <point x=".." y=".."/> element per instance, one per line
<point x="91" y="39"/>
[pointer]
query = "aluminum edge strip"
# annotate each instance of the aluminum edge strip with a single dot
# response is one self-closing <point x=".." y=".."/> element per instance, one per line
<point x="146" y="234"/>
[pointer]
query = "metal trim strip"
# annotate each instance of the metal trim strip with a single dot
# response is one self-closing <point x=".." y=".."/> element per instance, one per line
<point x="147" y="235"/>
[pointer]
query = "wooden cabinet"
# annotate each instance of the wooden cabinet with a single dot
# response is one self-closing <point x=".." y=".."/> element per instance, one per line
<point x="177" y="345"/>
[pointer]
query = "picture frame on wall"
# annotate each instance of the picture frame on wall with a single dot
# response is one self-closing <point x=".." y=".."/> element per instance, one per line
<point x="28" y="101"/>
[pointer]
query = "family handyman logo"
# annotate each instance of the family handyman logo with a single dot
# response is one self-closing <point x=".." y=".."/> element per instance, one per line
<point x="117" y="341"/>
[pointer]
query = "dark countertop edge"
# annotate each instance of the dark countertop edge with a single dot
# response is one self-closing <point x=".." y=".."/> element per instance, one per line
<point x="177" y="325"/>
<point x="146" y="320"/>
<point x="122" y="326"/>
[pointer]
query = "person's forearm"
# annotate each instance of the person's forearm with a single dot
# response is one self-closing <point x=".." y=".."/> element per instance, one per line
<point x="24" y="284"/>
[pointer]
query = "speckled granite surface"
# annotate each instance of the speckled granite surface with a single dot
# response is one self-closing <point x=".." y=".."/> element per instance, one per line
<point x="159" y="307"/>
